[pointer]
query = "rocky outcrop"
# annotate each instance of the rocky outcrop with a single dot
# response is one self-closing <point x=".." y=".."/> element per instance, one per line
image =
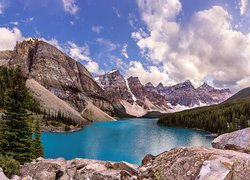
<point x="66" y="78"/>
<point x="5" y="57"/>
<point x="237" y="141"/>
<point x="52" y="169"/>
<point x="184" y="163"/>
<point x="200" y="163"/>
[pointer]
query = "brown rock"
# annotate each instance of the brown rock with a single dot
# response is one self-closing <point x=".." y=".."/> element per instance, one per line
<point x="147" y="159"/>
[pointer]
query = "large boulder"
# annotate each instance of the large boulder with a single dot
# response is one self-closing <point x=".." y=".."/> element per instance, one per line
<point x="237" y="140"/>
<point x="199" y="163"/>
<point x="2" y="175"/>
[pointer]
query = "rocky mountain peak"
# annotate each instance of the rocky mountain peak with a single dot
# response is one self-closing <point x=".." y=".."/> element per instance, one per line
<point x="63" y="76"/>
<point x="185" y="85"/>
<point x="205" y="86"/>
<point x="149" y="85"/>
<point x="160" y="85"/>
<point x="134" y="80"/>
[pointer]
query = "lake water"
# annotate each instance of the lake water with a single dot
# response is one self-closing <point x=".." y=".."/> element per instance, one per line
<point x="124" y="140"/>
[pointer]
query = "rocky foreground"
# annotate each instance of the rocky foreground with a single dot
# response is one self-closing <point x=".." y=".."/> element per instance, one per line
<point x="181" y="163"/>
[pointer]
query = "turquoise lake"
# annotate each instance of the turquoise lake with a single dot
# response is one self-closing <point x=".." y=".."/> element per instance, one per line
<point x="124" y="140"/>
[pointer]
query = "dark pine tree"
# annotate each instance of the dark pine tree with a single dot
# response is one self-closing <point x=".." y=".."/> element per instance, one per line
<point x="16" y="138"/>
<point x="38" y="148"/>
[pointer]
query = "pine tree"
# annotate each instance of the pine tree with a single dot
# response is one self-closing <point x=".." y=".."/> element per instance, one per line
<point x="17" y="132"/>
<point x="38" y="148"/>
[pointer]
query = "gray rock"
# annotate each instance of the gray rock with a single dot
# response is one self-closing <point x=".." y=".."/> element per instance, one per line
<point x="186" y="163"/>
<point x="2" y="175"/>
<point x="237" y="140"/>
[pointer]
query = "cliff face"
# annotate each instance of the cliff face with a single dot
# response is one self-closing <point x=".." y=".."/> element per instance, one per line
<point x="60" y="74"/>
<point x="5" y="57"/>
<point x="115" y="86"/>
<point x="129" y="95"/>
<point x="143" y="92"/>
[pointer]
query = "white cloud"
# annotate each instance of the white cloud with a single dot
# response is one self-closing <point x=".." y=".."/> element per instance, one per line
<point x="97" y="29"/>
<point x="78" y="52"/>
<point x="28" y="20"/>
<point x="243" y="6"/>
<point x="124" y="51"/>
<point x="152" y="74"/>
<point x="109" y="46"/>
<point x="14" y="23"/>
<point x="2" y="7"/>
<point x="204" y="49"/>
<point x="9" y="37"/>
<point x="116" y="12"/>
<point x="94" y="68"/>
<point x="70" y="6"/>
<point x="54" y="42"/>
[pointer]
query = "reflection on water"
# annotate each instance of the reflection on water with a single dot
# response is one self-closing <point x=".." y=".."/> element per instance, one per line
<point x="125" y="140"/>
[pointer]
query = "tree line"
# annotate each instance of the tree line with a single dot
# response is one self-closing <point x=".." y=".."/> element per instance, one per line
<point x="20" y="139"/>
<point x="226" y="117"/>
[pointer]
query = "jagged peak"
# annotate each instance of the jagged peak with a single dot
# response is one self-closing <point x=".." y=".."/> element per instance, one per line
<point x="149" y="84"/>
<point x="187" y="84"/>
<point x="134" y="79"/>
<point x="160" y="85"/>
<point x="205" y="86"/>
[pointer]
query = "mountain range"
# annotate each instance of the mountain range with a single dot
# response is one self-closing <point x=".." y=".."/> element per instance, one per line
<point x="61" y="83"/>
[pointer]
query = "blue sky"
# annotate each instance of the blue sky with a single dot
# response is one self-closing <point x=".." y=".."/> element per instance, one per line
<point x="157" y="40"/>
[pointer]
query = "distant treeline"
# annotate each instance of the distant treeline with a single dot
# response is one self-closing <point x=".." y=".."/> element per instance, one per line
<point x="60" y="117"/>
<point x="226" y="117"/>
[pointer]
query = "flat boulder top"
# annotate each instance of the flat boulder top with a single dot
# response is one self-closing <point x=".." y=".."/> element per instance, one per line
<point x="198" y="163"/>
<point x="237" y="140"/>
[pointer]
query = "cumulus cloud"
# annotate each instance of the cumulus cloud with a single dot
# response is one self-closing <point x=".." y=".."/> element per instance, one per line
<point x="54" y="42"/>
<point x="78" y="52"/>
<point x="204" y="49"/>
<point x="82" y="53"/>
<point x="243" y="6"/>
<point x="97" y="29"/>
<point x="152" y="74"/>
<point x="9" y="37"/>
<point x="70" y="6"/>
<point x="124" y="51"/>
<point x="94" y="68"/>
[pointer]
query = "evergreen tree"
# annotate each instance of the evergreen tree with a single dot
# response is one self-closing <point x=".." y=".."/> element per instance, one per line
<point x="38" y="148"/>
<point x="17" y="132"/>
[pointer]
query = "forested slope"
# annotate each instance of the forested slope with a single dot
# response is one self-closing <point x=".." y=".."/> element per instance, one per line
<point x="228" y="116"/>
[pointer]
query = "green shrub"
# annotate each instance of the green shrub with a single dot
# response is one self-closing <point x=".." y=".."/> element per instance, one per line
<point x="9" y="165"/>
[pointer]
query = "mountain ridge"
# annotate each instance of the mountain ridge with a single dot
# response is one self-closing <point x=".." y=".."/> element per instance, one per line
<point x="112" y="93"/>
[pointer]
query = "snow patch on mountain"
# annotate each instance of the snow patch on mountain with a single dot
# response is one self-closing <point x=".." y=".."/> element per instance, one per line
<point x="129" y="90"/>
